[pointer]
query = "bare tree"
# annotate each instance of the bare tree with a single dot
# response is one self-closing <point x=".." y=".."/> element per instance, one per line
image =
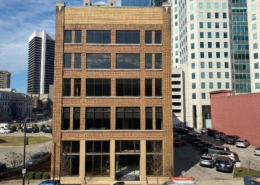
<point x="14" y="159"/>
<point x="155" y="158"/>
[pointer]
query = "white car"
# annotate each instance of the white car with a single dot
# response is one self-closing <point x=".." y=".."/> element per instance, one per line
<point x="242" y="143"/>
<point x="257" y="151"/>
<point x="4" y="131"/>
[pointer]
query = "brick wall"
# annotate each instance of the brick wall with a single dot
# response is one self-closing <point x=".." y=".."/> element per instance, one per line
<point x="238" y="115"/>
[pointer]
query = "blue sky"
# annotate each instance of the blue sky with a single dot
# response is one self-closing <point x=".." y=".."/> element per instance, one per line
<point x="18" y="20"/>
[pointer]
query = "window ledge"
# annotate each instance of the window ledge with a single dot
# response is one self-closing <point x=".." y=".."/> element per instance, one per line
<point x="112" y="69"/>
<point x="153" y="44"/>
<point x="93" y="44"/>
<point x="153" y="97"/>
<point x="117" y="97"/>
<point x="75" y="97"/>
<point x="72" y="43"/>
<point x="73" y="69"/>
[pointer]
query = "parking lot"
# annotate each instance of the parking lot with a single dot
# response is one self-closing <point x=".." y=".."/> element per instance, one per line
<point x="187" y="159"/>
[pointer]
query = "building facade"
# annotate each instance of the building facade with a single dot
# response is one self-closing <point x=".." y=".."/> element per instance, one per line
<point x="14" y="104"/>
<point x="40" y="62"/>
<point x="112" y="115"/>
<point x="236" y="114"/>
<point x="5" y="79"/>
<point x="142" y="2"/>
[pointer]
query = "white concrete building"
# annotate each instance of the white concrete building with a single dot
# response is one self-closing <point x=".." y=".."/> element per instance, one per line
<point x="12" y="102"/>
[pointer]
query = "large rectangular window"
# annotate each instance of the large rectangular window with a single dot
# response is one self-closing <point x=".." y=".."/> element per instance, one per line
<point x="66" y="118"/>
<point x="98" y="61"/>
<point x="148" y="37"/>
<point x="67" y="36"/>
<point x="66" y="86"/>
<point x="154" y="158"/>
<point x="128" y="37"/>
<point x="128" y="61"/>
<point x="97" y="118"/>
<point x="159" y="118"/>
<point x="148" y="87"/>
<point x="67" y="60"/>
<point x="128" y="118"/>
<point x="148" y="118"/>
<point x="98" y="36"/>
<point x="98" y="87"/>
<point x="77" y="86"/>
<point x="69" y="158"/>
<point x="77" y="60"/>
<point x="128" y="87"/>
<point x="97" y="158"/>
<point x="76" y="118"/>
<point x="158" y="87"/>
<point x="127" y="147"/>
<point x="158" y="61"/>
<point x="158" y="37"/>
<point x="148" y="61"/>
<point x="77" y="36"/>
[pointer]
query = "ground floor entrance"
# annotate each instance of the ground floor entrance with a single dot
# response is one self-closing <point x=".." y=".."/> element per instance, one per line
<point x="127" y="167"/>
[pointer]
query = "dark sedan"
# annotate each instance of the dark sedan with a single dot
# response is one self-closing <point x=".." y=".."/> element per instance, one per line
<point x="2" y="167"/>
<point x="211" y="132"/>
<point x="47" y="130"/>
<point x="224" y="164"/>
<point x="217" y="135"/>
<point x="231" y="139"/>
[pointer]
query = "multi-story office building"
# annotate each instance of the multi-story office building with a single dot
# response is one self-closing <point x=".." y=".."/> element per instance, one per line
<point x="215" y="44"/>
<point x="40" y="62"/>
<point x="142" y="2"/>
<point x="5" y="77"/>
<point x="112" y="113"/>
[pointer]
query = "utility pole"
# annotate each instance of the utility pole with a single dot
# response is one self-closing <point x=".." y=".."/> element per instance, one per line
<point x="24" y="149"/>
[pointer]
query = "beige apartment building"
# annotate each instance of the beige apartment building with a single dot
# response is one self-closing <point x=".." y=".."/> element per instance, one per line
<point x="5" y="77"/>
<point x="112" y="111"/>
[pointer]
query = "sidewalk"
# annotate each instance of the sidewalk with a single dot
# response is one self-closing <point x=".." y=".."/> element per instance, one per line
<point x="207" y="182"/>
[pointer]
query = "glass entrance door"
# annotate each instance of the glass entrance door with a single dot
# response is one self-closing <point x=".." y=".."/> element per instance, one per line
<point x="127" y="167"/>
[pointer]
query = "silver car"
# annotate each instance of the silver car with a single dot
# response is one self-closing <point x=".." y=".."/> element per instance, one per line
<point x="242" y="143"/>
<point x="215" y="149"/>
<point x="232" y="155"/>
<point x="257" y="151"/>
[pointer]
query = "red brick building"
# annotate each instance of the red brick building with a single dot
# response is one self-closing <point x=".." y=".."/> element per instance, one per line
<point x="238" y="115"/>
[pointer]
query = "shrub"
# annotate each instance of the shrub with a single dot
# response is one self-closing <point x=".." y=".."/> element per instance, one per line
<point x="46" y="175"/>
<point x="38" y="175"/>
<point x="42" y="127"/>
<point x="30" y="175"/>
<point x="13" y="128"/>
<point x="36" y="129"/>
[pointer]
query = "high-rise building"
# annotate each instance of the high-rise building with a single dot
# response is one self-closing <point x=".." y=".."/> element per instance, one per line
<point x="142" y="2"/>
<point x="215" y="45"/>
<point x="112" y="95"/>
<point x="40" y="62"/>
<point x="5" y="78"/>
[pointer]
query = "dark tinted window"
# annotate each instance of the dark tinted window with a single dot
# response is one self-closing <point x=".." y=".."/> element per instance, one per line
<point x="98" y="61"/>
<point x="128" y="61"/>
<point x="158" y="37"/>
<point x="158" y="61"/>
<point x="97" y="118"/>
<point x="127" y="118"/>
<point x="97" y="87"/>
<point x="66" y="86"/>
<point x="148" y="61"/>
<point x="158" y="87"/>
<point x="128" y="87"/>
<point x="223" y="161"/>
<point x="77" y="60"/>
<point x="67" y="60"/>
<point x="148" y="87"/>
<point x="78" y="36"/>
<point x="128" y="37"/>
<point x="99" y="36"/>
<point x="148" y="37"/>
<point x="68" y="36"/>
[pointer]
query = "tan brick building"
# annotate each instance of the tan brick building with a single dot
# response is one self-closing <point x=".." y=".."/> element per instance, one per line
<point x="5" y="78"/>
<point x="112" y="115"/>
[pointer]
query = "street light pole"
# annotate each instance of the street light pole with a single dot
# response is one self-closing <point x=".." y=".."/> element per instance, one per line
<point x="24" y="147"/>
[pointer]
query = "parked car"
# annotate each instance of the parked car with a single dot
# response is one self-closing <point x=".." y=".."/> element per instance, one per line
<point x="50" y="182"/>
<point x="203" y="145"/>
<point x="190" y="137"/>
<point x="224" y="164"/>
<point x="217" y="135"/>
<point x="195" y="141"/>
<point x="2" y="167"/>
<point x="47" y="130"/>
<point x="179" y="142"/>
<point x="35" y="158"/>
<point x="189" y="128"/>
<point x="208" y="160"/>
<point x="231" y="139"/>
<point x="204" y="148"/>
<point x="31" y="130"/>
<point x="223" y="137"/>
<point x="215" y="149"/>
<point x="242" y="143"/>
<point x="257" y="151"/>
<point x="211" y="132"/>
<point x="232" y="155"/>
<point x="181" y="131"/>
<point x="204" y="130"/>
<point x="196" y="144"/>
<point x="4" y="130"/>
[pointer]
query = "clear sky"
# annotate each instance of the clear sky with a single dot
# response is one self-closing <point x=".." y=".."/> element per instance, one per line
<point x="18" y="20"/>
